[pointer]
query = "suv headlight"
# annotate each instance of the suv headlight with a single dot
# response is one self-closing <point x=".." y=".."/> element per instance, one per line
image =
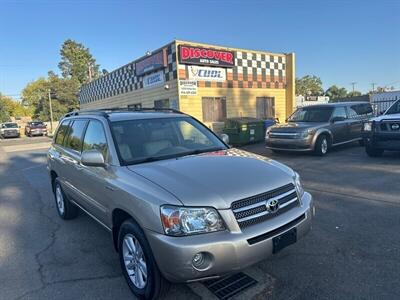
<point x="298" y="184"/>
<point x="368" y="126"/>
<point x="179" y="220"/>
<point x="304" y="134"/>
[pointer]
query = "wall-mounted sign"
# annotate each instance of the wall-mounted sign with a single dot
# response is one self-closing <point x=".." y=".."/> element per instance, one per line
<point x="207" y="73"/>
<point x="188" y="87"/>
<point x="153" y="79"/>
<point x="205" y="56"/>
<point x="153" y="62"/>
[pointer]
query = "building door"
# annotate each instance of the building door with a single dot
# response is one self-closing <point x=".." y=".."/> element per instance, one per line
<point x="136" y="106"/>
<point x="164" y="103"/>
<point x="214" y="109"/>
<point x="265" y="107"/>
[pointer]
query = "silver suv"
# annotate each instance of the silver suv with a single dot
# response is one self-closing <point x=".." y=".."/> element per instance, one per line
<point x="181" y="205"/>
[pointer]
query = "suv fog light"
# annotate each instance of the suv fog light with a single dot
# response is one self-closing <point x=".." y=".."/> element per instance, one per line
<point x="198" y="260"/>
<point x="202" y="261"/>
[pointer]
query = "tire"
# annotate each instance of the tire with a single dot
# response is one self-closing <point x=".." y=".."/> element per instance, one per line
<point x="66" y="210"/>
<point x="321" y="145"/>
<point x="373" y="152"/>
<point x="153" y="285"/>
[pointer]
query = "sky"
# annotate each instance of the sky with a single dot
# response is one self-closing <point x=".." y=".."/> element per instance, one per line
<point x="340" y="41"/>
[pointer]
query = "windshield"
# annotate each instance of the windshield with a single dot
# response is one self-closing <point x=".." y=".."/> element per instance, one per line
<point x="311" y="114"/>
<point x="394" y="109"/>
<point x="156" y="139"/>
<point x="10" y="125"/>
<point x="36" y="123"/>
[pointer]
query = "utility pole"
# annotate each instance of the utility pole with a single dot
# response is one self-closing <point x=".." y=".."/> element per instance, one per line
<point x="373" y="86"/>
<point x="90" y="72"/>
<point x="51" y="113"/>
<point x="353" y="84"/>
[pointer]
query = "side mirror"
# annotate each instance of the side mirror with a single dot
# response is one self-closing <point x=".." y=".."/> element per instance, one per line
<point x="225" y="138"/>
<point x="92" y="158"/>
<point x="337" y="119"/>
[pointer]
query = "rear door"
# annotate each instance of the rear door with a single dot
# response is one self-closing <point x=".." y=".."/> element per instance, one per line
<point x="71" y="156"/>
<point x="357" y="114"/>
<point x="340" y="129"/>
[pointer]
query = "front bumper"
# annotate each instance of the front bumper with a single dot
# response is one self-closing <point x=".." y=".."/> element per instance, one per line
<point x="229" y="251"/>
<point x="10" y="133"/>
<point x="290" y="144"/>
<point x="384" y="141"/>
<point x="38" y="132"/>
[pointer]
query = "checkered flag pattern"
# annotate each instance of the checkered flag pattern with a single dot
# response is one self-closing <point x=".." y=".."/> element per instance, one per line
<point x="123" y="80"/>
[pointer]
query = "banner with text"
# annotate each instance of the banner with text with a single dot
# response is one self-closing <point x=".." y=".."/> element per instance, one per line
<point x="207" y="73"/>
<point x="188" y="87"/>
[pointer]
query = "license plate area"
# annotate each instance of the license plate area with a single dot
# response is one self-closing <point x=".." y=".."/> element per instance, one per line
<point x="284" y="240"/>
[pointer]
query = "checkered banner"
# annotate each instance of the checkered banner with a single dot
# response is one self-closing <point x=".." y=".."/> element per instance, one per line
<point x="124" y="80"/>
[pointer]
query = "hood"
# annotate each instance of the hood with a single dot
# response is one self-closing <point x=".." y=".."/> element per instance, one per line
<point x="296" y="126"/>
<point x="216" y="179"/>
<point x="387" y="117"/>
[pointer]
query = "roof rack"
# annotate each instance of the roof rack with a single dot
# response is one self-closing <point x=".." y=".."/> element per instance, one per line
<point x="105" y="111"/>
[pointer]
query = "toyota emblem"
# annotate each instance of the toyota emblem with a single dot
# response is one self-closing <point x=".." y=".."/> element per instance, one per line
<point x="272" y="205"/>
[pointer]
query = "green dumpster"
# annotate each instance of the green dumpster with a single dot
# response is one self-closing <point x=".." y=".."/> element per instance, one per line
<point x="244" y="130"/>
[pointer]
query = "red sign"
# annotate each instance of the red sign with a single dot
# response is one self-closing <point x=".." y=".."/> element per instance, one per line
<point x="205" y="56"/>
<point x="152" y="62"/>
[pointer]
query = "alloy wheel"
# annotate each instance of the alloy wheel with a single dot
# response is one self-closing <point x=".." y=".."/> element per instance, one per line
<point x="60" y="200"/>
<point x="135" y="262"/>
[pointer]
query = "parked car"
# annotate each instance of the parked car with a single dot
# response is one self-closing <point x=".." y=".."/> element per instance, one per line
<point x="180" y="204"/>
<point x="320" y="127"/>
<point x="383" y="132"/>
<point x="35" y="128"/>
<point x="9" y="129"/>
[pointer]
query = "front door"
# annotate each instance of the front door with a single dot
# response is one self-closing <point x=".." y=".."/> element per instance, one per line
<point x="340" y="129"/>
<point x="93" y="180"/>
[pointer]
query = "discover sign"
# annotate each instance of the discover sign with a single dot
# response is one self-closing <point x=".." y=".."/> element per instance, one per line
<point x="205" y="56"/>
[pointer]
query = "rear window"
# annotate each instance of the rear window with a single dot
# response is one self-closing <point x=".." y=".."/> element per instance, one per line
<point x="360" y="110"/>
<point x="75" y="134"/>
<point x="36" y="123"/>
<point x="61" y="133"/>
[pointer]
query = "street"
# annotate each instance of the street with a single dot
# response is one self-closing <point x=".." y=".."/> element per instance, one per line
<point x="352" y="252"/>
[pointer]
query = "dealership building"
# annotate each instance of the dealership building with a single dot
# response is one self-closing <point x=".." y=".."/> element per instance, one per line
<point x="209" y="82"/>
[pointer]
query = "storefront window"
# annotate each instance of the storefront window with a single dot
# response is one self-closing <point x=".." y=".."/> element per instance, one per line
<point x="265" y="107"/>
<point x="161" y="103"/>
<point x="214" y="109"/>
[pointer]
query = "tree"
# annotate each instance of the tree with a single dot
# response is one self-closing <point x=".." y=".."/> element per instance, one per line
<point x="354" y="94"/>
<point x="335" y="92"/>
<point x="63" y="92"/>
<point x="309" y="85"/>
<point x="77" y="62"/>
<point x="11" y="108"/>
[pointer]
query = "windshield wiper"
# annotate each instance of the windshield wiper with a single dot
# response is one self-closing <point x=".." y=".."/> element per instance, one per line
<point x="199" y="151"/>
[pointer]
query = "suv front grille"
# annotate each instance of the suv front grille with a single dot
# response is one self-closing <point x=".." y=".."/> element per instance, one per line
<point x="254" y="209"/>
<point x="390" y="126"/>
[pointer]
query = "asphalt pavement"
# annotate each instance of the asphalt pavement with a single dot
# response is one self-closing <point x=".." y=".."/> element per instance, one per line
<point x="352" y="252"/>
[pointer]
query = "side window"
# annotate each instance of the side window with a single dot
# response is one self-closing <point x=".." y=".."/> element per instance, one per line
<point x="339" y="112"/>
<point x="75" y="135"/>
<point x="62" y="132"/>
<point x="95" y="138"/>
<point x="359" y="110"/>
